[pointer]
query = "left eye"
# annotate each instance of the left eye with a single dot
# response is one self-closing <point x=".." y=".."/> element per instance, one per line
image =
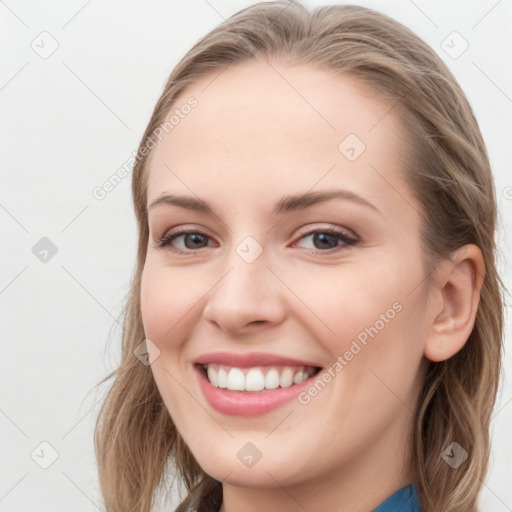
<point x="328" y="239"/>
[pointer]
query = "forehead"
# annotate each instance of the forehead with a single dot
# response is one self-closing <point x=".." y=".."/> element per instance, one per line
<point x="263" y="125"/>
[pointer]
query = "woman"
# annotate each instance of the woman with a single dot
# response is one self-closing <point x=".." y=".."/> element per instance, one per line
<point x="315" y="287"/>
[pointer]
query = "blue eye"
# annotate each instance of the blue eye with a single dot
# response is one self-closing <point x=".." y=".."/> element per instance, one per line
<point x="194" y="237"/>
<point x="329" y="240"/>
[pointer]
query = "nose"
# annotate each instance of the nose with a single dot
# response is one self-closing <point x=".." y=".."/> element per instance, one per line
<point x="247" y="297"/>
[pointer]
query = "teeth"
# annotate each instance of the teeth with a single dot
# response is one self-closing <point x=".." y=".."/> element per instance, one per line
<point x="272" y="379"/>
<point x="222" y="378"/>
<point x="236" y="379"/>
<point x="298" y="377"/>
<point x="256" y="379"/>
<point x="213" y="378"/>
<point x="286" y="378"/>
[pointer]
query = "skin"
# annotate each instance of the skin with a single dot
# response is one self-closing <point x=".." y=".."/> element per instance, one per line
<point x="252" y="140"/>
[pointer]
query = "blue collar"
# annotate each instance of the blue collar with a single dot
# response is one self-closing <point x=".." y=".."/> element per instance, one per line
<point x="403" y="500"/>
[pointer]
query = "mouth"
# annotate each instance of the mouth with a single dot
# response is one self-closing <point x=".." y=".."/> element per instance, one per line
<point x="249" y="384"/>
<point x="257" y="379"/>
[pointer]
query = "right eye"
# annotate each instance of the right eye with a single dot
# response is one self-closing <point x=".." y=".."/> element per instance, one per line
<point x="192" y="239"/>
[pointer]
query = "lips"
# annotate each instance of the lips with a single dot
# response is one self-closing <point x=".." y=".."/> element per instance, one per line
<point x="249" y="384"/>
<point x="252" y="360"/>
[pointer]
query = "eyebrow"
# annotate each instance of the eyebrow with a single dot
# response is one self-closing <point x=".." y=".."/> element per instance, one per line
<point x="286" y="204"/>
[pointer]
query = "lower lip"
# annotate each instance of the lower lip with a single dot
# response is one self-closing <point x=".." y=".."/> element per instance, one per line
<point x="241" y="403"/>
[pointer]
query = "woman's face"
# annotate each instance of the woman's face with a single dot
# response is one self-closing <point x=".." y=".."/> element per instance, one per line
<point x="333" y="283"/>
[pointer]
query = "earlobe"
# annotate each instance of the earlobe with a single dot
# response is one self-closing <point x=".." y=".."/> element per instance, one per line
<point x="460" y="287"/>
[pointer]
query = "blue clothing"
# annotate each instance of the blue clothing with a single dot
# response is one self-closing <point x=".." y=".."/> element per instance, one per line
<point x="210" y="499"/>
<point x="404" y="500"/>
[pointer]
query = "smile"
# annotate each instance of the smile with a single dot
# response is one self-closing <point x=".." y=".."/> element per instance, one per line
<point x="257" y="378"/>
<point x="247" y="384"/>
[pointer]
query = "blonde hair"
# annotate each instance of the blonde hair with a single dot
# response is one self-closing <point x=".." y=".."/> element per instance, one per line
<point x="136" y="441"/>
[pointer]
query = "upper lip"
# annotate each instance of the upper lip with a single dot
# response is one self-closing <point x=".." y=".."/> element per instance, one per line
<point x="251" y="359"/>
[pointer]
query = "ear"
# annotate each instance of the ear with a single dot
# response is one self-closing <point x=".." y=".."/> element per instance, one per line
<point x="459" y="285"/>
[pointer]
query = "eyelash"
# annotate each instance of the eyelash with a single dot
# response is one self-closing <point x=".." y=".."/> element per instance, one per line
<point x="166" y="240"/>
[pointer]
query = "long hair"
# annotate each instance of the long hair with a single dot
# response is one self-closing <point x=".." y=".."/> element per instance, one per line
<point x="136" y="442"/>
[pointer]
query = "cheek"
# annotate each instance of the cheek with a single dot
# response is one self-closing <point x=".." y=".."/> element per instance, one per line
<point x="168" y="298"/>
<point x="155" y="299"/>
<point x="341" y="304"/>
<point x="166" y="301"/>
<point x="368" y="316"/>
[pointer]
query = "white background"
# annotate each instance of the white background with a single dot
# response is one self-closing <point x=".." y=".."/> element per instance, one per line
<point x="68" y="123"/>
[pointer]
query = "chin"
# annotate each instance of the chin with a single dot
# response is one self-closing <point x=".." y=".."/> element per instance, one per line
<point x="229" y="467"/>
